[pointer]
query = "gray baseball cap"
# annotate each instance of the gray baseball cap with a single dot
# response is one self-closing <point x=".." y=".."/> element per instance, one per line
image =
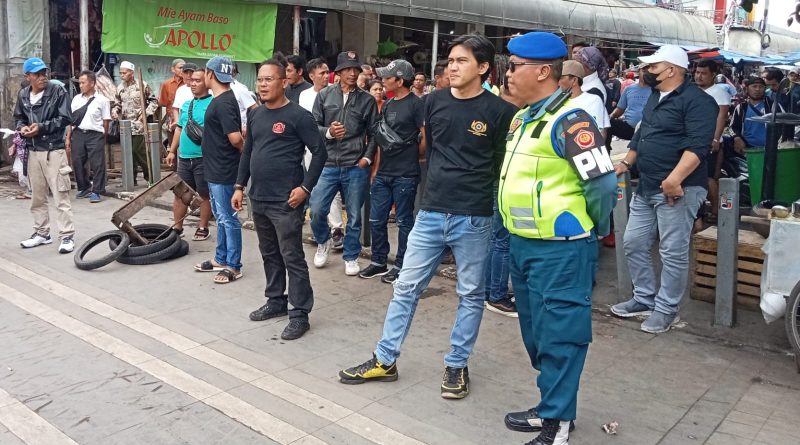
<point x="397" y="68"/>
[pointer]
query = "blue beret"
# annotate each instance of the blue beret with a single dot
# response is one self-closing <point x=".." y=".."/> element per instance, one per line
<point x="538" y="46"/>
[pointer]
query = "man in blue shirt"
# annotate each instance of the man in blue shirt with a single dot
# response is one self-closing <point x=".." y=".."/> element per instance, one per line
<point x="630" y="108"/>
<point x="670" y="148"/>
<point x="190" y="156"/>
<point x="746" y="132"/>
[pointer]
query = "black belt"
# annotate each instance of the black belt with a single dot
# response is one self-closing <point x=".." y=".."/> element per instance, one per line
<point x="88" y="131"/>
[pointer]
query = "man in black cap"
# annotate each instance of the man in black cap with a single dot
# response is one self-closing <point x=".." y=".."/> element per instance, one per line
<point x="556" y="193"/>
<point x="346" y="118"/>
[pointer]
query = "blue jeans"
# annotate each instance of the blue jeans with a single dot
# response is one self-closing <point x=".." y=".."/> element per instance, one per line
<point x="468" y="237"/>
<point x="651" y="217"/>
<point x="497" y="267"/>
<point x="229" y="229"/>
<point x="388" y="190"/>
<point x="353" y="182"/>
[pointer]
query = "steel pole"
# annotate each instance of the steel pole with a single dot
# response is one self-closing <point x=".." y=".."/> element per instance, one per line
<point x="154" y="141"/>
<point x="727" y="253"/>
<point x="126" y="146"/>
<point x="770" y="161"/>
<point x="620" y="214"/>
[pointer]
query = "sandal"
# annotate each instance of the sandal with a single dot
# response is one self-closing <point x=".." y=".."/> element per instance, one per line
<point x="179" y="231"/>
<point x="226" y="276"/>
<point x="201" y="234"/>
<point x="208" y="266"/>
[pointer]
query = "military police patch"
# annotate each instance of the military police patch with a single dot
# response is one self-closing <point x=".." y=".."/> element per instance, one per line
<point x="584" y="148"/>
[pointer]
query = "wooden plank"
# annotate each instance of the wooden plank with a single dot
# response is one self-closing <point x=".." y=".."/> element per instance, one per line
<point x="750" y="243"/>
<point x="708" y="295"/>
<point x="743" y="264"/>
<point x="742" y="276"/>
<point x="741" y="288"/>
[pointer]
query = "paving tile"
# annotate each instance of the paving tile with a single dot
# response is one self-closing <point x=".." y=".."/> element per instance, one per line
<point x="727" y="439"/>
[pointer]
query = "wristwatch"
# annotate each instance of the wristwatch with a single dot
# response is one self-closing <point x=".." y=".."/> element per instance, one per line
<point x="627" y="164"/>
<point x="238" y="187"/>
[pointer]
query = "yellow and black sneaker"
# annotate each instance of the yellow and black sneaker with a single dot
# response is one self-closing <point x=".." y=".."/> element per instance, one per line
<point x="371" y="370"/>
<point x="455" y="383"/>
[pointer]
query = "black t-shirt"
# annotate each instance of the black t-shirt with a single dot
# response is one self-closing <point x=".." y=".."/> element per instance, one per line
<point x="466" y="144"/>
<point x="220" y="157"/>
<point x="272" y="159"/>
<point x="293" y="92"/>
<point x="405" y="116"/>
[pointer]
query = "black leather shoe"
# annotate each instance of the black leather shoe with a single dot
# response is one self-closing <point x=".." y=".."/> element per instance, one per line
<point x="527" y="421"/>
<point x="266" y="312"/>
<point x="295" y="329"/>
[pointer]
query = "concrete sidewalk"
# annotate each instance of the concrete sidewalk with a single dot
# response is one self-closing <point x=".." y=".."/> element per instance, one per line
<point x="696" y="384"/>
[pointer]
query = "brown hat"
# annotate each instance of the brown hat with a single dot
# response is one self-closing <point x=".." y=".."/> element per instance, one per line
<point x="573" y="68"/>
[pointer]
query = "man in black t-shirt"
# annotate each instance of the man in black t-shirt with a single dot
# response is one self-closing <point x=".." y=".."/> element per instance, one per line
<point x="272" y="162"/>
<point x="465" y="128"/>
<point x="398" y="170"/>
<point x="295" y="73"/>
<point x="222" y="145"/>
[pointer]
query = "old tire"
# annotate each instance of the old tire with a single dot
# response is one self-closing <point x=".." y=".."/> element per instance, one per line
<point x="153" y="258"/>
<point x="183" y="250"/>
<point x="122" y="242"/>
<point x="156" y="245"/>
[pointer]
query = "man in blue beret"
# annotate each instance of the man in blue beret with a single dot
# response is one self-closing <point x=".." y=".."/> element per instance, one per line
<point x="556" y="193"/>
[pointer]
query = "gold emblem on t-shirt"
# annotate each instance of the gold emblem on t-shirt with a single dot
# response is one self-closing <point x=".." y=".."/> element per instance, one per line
<point x="478" y="128"/>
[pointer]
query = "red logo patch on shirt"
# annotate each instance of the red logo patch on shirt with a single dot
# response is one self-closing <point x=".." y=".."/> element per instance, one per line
<point x="584" y="139"/>
<point x="278" y="127"/>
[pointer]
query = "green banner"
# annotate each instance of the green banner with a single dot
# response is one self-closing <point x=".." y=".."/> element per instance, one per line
<point x="190" y="28"/>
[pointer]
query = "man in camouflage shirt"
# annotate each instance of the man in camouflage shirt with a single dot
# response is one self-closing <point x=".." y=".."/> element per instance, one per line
<point x="128" y="106"/>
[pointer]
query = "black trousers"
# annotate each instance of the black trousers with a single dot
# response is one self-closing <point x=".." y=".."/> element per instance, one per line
<point x="280" y="240"/>
<point x="620" y="129"/>
<point x="88" y="148"/>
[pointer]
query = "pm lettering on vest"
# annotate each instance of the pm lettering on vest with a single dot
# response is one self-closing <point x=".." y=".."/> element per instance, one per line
<point x="583" y="146"/>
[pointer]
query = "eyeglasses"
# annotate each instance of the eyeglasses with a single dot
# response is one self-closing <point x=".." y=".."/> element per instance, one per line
<point x="268" y="79"/>
<point x="512" y="66"/>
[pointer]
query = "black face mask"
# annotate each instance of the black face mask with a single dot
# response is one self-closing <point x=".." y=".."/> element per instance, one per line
<point x="651" y="79"/>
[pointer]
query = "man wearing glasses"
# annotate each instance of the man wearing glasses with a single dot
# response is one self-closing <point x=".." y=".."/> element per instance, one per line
<point x="556" y="193"/>
<point x="272" y="163"/>
<point x="41" y="115"/>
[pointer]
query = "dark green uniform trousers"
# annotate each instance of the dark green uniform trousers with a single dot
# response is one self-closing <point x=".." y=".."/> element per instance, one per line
<point x="553" y="287"/>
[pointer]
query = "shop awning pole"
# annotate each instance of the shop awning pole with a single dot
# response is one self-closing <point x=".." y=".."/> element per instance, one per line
<point x="296" y="31"/>
<point x="435" y="49"/>
<point x="84" y="31"/>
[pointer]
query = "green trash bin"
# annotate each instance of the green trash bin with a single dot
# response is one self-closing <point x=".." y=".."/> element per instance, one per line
<point x="787" y="182"/>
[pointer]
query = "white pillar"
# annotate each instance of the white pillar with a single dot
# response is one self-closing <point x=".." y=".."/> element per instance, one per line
<point x="84" y="34"/>
<point x="435" y="50"/>
<point x="295" y="31"/>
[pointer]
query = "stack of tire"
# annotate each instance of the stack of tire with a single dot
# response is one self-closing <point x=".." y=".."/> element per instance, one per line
<point x="164" y="244"/>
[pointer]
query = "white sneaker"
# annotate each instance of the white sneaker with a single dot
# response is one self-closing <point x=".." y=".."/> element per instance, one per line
<point x="67" y="245"/>
<point x="351" y="268"/>
<point x="321" y="257"/>
<point x="36" y="240"/>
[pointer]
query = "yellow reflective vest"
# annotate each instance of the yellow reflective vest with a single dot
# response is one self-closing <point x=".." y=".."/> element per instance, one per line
<point x="540" y="194"/>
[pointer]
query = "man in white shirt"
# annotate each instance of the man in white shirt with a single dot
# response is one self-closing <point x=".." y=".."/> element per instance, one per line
<point x="704" y="76"/>
<point x="91" y="113"/>
<point x="182" y="95"/>
<point x="244" y="96"/>
<point x="572" y="80"/>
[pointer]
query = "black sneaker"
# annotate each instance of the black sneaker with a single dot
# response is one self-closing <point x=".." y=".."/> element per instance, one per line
<point x="527" y="421"/>
<point x="371" y="370"/>
<point x="266" y="312"/>
<point x="504" y="307"/>
<point x="554" y="432"/>
<point x="337" y="237"/>
<point x="295" y="329"/>
<point x="373" y="271"/>
<point x="391" y="276"/>
<point x="455" y="383"/>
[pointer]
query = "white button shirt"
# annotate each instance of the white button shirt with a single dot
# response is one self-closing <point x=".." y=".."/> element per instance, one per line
<point x="98" y="111"/>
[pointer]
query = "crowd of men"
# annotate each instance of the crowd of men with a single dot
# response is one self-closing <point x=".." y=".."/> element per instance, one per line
<point x="517" y="183"/>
